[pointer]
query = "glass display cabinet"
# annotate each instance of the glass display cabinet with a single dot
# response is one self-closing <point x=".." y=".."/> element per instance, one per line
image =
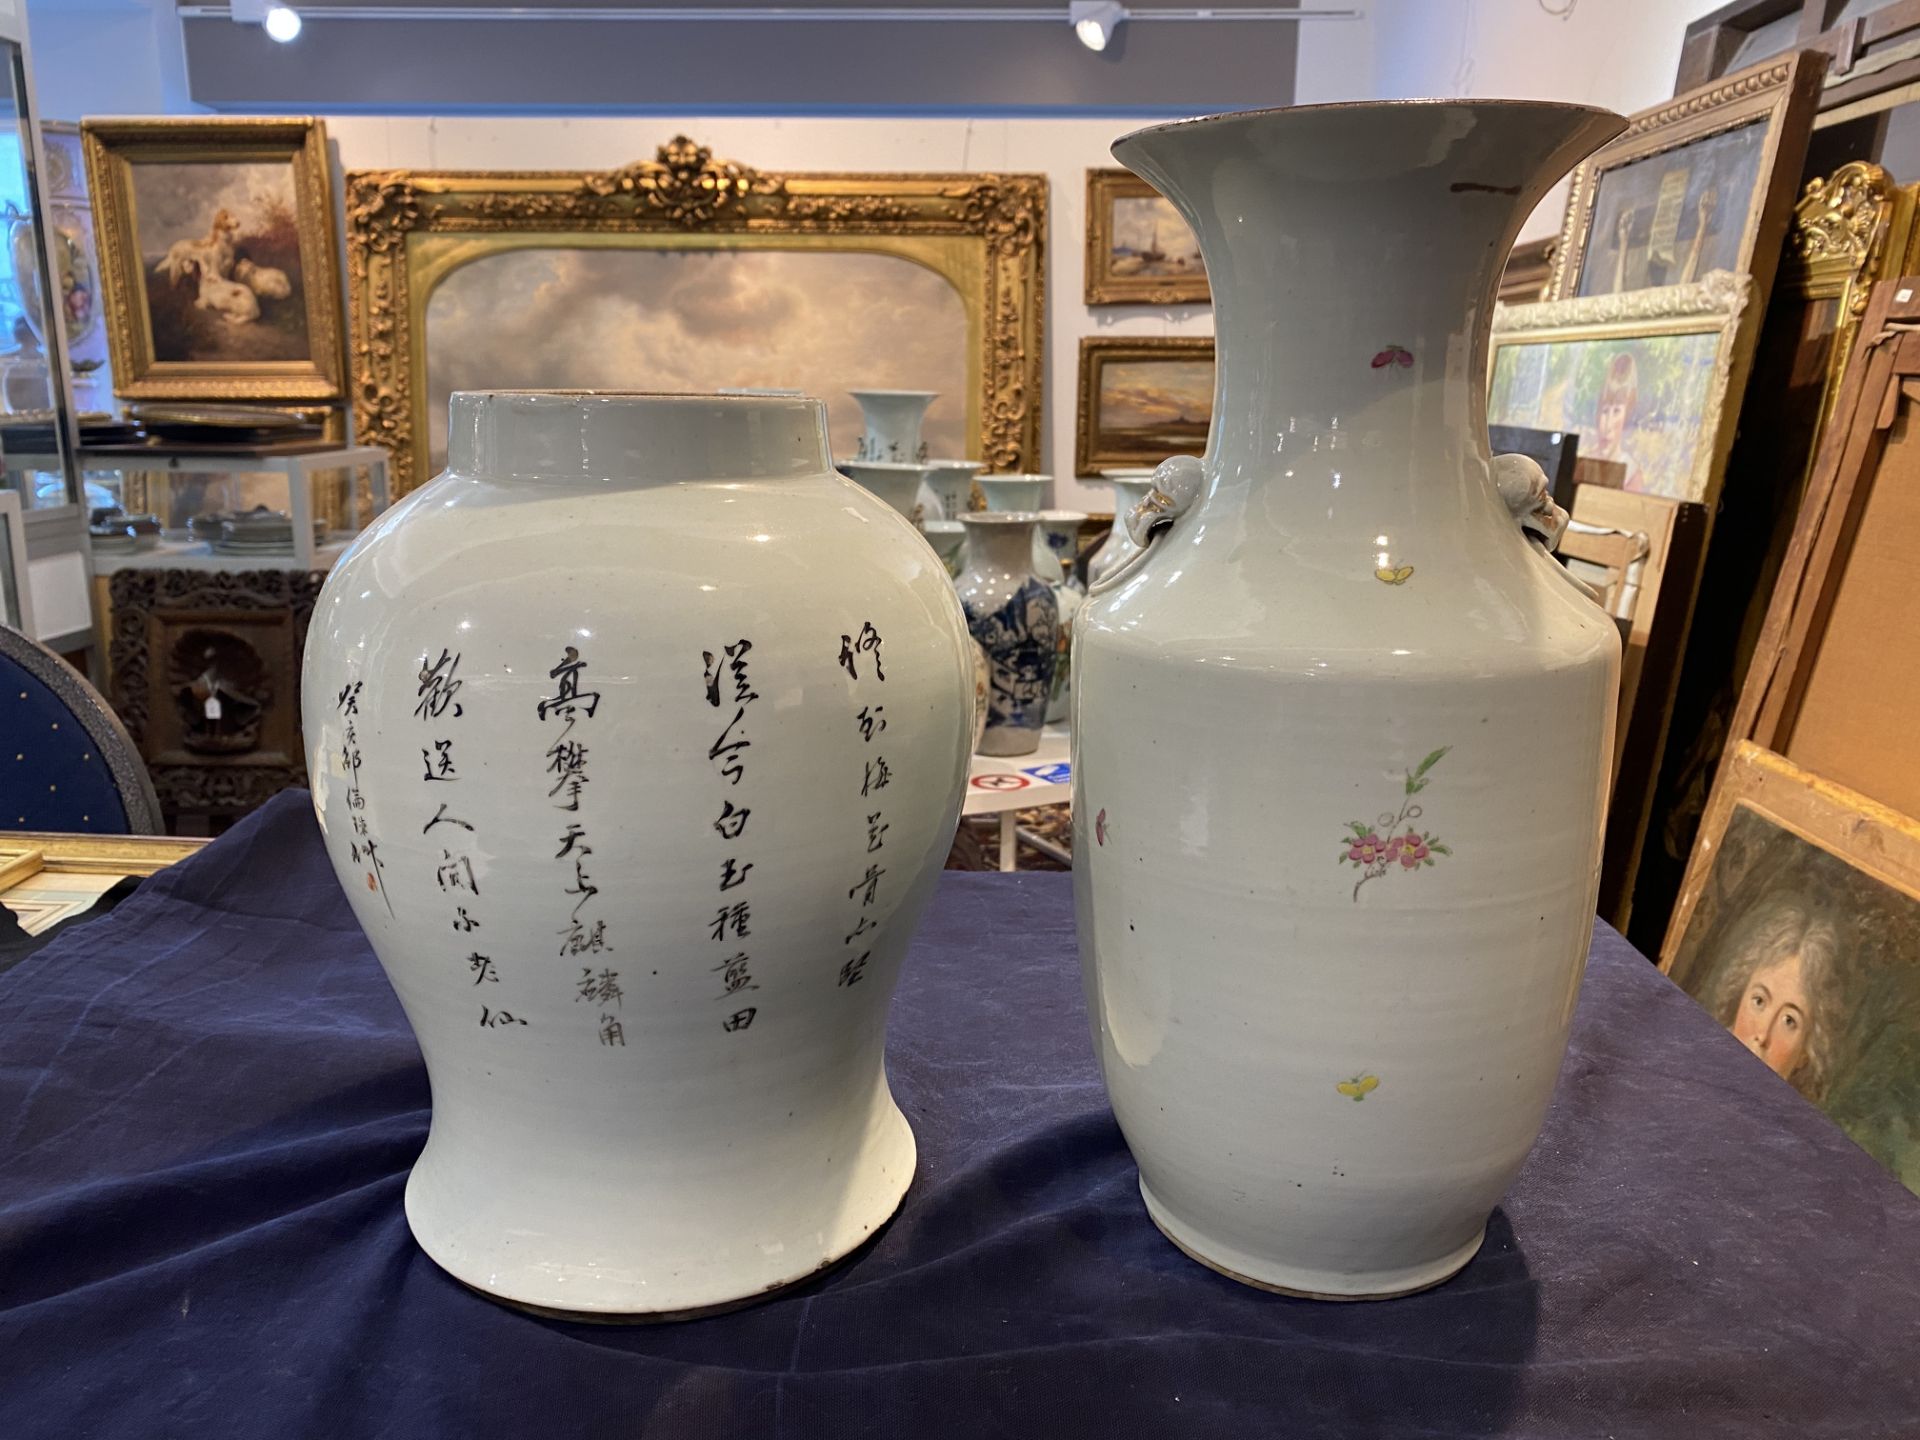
<point x="38" y="431"/>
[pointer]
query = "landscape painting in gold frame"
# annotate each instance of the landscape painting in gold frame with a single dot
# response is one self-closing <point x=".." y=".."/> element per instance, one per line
<point x="1140" y="251"/>
<point x="679" y="254"/>
<point x="218" y="258"/>
<point x="1142" y="398"/>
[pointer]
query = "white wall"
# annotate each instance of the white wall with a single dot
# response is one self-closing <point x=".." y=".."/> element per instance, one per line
<point x="1619" y="54"/>
<point x="1062" y="150"/>
<point x="107" y="57"/>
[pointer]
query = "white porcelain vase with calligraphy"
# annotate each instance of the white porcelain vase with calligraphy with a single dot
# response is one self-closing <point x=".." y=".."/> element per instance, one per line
<point x="1342" y="728"/>
<point x="638" y="740"/>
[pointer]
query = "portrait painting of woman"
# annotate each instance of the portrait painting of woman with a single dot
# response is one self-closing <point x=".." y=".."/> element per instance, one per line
<point x="1809" y="958"/>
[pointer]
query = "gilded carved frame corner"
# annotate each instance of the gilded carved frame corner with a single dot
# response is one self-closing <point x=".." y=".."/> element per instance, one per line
<point x="1784" y="93"/>
<point x="986" y="233"/>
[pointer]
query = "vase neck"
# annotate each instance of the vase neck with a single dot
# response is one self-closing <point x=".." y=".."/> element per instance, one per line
<point x="1001" y="543"/>
<point x="1354" y="252"/>
<point x="619" y="440"/>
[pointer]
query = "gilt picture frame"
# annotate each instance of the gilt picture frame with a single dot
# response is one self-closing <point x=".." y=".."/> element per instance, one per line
<point x="218" y="258"/>
<point x="411" y="234"/>
<point x="1798" y="928"/>
<point x="1140" y="251"/>
<point x="1705" y="181"/>
<point x="1141" y="399"/>
<point x="1651" y="378"/>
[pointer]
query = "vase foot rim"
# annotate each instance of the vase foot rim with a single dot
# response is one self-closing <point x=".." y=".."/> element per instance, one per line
<point x="674" y="1317"/>
<point x="531" y="1288"/>
<point x="1375" y="1285"/>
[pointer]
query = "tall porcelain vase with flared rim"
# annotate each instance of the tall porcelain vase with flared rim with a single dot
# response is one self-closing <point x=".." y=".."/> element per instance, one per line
<point x="1015" y="492"/>
<point x="1342" y="732"/>
<point x="611" y="765"/>
<point x="893" y="423"/>
<point x="951" y="483"/>
<point x="1015" y="615"/>
<point x="1130" y="487"/>
<point x="898" y="486"/>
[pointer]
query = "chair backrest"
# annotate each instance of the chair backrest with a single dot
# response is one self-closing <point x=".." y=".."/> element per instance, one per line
<point x="66" y="761"/>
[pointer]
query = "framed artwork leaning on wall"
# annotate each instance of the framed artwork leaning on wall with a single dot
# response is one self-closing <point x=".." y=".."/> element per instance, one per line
<point x="1703" y="182"/>
<point x="1647" y="379"/>
<point x="1798" y="928"/>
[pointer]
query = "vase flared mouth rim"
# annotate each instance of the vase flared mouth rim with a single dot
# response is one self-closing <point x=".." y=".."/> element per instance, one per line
<point x="1000" y="517"/>
<point x="1437" y="102"/>
<point x="1013" y="475"/>
<point x="897" y="394"/>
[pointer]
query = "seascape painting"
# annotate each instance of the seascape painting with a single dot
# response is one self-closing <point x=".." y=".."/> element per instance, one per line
<point x="1640" y="402"/>
<point x="1814" y="965"/>
<point x="1671" y="218"/>
<point x="219" y="246"/>
<point x="1162" y="406"/>
<point x="1148" y="238"/>
<point x="823" y="322"/>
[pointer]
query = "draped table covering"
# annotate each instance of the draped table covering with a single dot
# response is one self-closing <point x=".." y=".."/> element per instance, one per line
<point x="209" y="1101"/>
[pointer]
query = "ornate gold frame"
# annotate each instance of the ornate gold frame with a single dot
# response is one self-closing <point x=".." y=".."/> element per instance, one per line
<point x="113" y="147"/>
<point x="1850" y="229"/>
<point x="1096" y="353"/>
<point x="1784" y="93"/>
<point x="407" y="230"/>
<point x="1103" y="188"/>
<point x="1716" y="305"/>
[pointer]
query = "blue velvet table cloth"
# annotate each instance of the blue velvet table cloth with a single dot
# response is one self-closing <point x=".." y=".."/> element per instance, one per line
<point x="209" y="1101"/>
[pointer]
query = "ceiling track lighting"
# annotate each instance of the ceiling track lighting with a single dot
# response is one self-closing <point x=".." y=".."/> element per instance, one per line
<point x="280" y="21"/>
<point x="1094" y="21"/>
<point x="1101" y="17"/>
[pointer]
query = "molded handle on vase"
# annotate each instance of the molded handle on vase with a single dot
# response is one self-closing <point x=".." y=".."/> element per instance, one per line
<point x="1529" y="499"/>
<point x="1176" y="485"/>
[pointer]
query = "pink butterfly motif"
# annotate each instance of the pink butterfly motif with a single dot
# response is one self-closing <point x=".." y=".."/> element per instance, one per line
<point x="1393" y="355"/>
<point x="1100" y="826"/>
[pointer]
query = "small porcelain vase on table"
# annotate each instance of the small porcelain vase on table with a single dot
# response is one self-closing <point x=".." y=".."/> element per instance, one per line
<point x="1342" y="732"/>
<point x="1014" y="614"/>
<point x="948" y="539"/>
<point x="1130" y="487"/>
<point x="893" y="424"/>
<point x="638" y="803"/>
<point x="1059" y="532"/>
<point x="1026" y="494"/>
<point x="896" y="485"/>
<point x="950" y="482"/>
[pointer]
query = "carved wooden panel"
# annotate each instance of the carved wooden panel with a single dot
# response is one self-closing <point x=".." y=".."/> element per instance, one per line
<point x="206" y="676"/>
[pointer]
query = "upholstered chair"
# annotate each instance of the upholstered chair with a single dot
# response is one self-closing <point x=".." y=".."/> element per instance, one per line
<point x="66" y="761"/>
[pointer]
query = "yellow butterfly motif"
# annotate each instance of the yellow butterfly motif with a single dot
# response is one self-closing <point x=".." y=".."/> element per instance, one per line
<point x="1394" y="575"/>
<point x="1359" y="1087"/>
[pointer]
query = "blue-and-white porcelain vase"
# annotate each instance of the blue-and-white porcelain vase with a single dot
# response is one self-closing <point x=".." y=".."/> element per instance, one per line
<point x="1015" y="616"/>
<point x="1342" y="732"/>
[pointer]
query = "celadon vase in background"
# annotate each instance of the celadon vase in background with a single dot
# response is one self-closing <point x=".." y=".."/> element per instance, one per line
<point x="1342" y="732"/>
<point x="895" y="485"/>
<point x="1130" y="487"/>
<point x="950" y="482"/>
<point x="1014" y="492"/>
<point x="893" y="419"/>
<point x="1054" y="557"/>
<point x="639" y="803"/>
<point x="1013" y="612"/>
